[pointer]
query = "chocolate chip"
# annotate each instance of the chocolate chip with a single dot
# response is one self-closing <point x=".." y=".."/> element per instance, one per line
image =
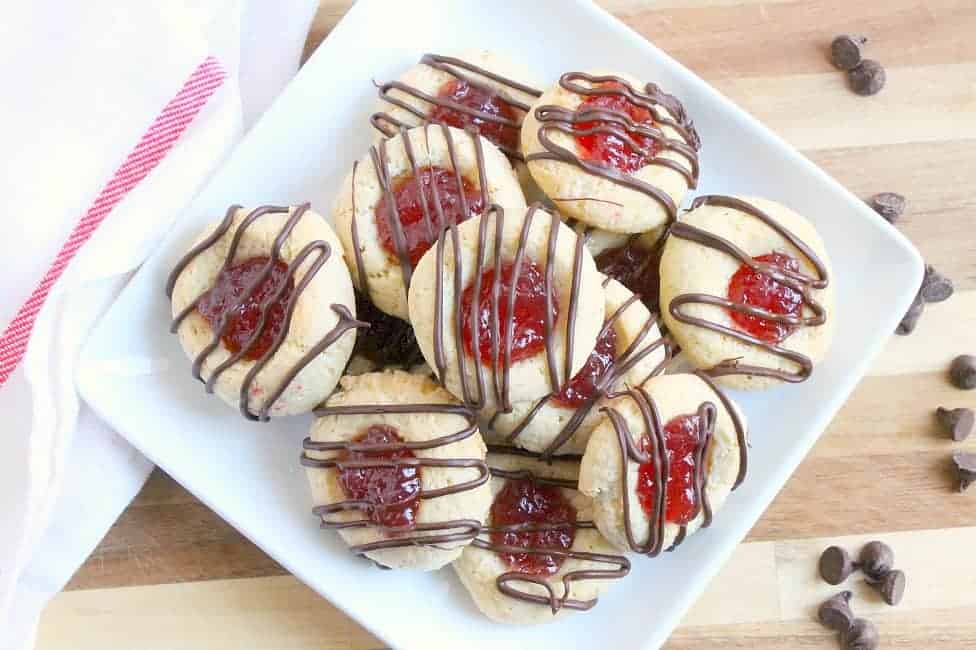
<point x="965" y="468"/>
<point x="910" y="319"/>
<point x="889" y="205"/>
<point x="876" y="559"/>
<point x="935" y="286"/>
<point x="836" y="613"/>
<point x="862" y="635"/>
<point x="835" y="565"/>
<point x="892" y="586"/>
<point x="867" y="78"/>
<point x="845" y="50"/>
<point x="958" y="423"/>
<point x="962" y="372"/>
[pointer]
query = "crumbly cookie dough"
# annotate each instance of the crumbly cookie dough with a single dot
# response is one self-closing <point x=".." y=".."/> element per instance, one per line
<point x="595" y="200"/>
<point x="539" y="426"/>
<point x="312" y="321"/>
<point x="689" y="267"/>
<point x="470" y="504"/>
<point x="601" y="469"/>
<point x="375" y="270"/>
<point x="479" y="569"/>
<point x="529" y="378"/>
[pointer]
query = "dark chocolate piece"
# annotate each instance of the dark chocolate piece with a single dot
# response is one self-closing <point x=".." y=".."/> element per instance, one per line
<point x="935" y="286"/>
<point x="965" y="463"/>
<point x="657" y="455"/>
<point x="836" y="565"/>
<point x="835" y="612"/>
<point x="319" y="249"/>
<point x="889" y="205"/>
<point x="876" y="559"/>
<point x="958" y="423"/>
<point x="796" y="280"/>
<point x="620" y="125"/>
<point x="390" y="126"/>
<point x="430" y="533"/>
<point x="862" y="635"/>
<point x="891" y="586"/>
<point x="620" y="565"/>
<point x="911" y="317"/>
<point x="845" y="50"/>
<point x="867" y="78"/>
<point x="962" y="372"/>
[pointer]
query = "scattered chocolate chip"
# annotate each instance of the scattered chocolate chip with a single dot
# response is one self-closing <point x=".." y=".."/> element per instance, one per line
<point x="958" y="423"/>
<point x="889" y="205"/>
<point x="965" y="468"/>
<point x="835" y="565"/>
<point x="891" y="586"/>
<point x="935" y="286"/>
<point x="867" y="78"/>
<point x="910" y="319"/>
<point x="835" y="612"/>
<point x="845" y="50"/>
<point x="876" y="559"/>
<point x="862" y="635"/>
<point x="962" y="372"/>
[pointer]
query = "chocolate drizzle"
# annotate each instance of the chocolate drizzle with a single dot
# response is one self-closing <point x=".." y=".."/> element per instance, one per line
<point x="379" y="157"/>
<point x="506" y="581"/>
<point x="389" y="125"/>
<point x="620" y="125"/>
<point x="476" y="396"/>
<point x="618" y="368"/>
<point x="795" y="280"/>
<point x="657" y="455"/>
<point x="318" y="251"/>
<point x="433" y="534"/>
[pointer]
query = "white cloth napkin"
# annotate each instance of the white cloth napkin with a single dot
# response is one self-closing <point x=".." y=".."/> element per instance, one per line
<point x="84" y="82"/>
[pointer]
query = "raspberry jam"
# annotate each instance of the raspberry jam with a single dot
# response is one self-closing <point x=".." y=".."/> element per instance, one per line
<point x="636" y="268"/>
<point x="229" y="288"/>
<point x="681" y="435"/>
<point x="760" y="290"/>
<point x="523" y="501"/>
<point x="529" y="327"/>
<point x="407" y="197"/>
<point x="609" y="149"/>
<point x="583" y="385"/>
<point x="480" y="99"/>
<point x="392" y="494"/>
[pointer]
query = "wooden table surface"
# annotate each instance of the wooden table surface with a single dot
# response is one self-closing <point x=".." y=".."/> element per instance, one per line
<point x="172" y="574"/>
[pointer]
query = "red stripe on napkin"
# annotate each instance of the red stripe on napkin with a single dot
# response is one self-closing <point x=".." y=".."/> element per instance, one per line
<point x="152" y="148"/>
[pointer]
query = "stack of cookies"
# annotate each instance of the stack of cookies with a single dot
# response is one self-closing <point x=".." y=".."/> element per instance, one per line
<point x="514" y="341"/>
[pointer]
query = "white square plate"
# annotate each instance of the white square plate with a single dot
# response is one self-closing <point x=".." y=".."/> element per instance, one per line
<point x="135" y="375"/>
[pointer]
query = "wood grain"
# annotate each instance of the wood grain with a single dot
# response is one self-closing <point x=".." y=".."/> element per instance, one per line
<point x="880" y="470"/>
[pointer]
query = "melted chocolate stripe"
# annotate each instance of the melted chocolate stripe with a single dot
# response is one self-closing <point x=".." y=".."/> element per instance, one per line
<point x="444" y="532"/>
<point x="345" y="321"/>
<point x="799" y="282"/>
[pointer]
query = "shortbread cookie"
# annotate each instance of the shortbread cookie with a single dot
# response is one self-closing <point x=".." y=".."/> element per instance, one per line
<point x="611" y="151"/>
<point x="527" y="264"/>
<point x="525" y="576"/>
<point x="397" y="466"/>
<point x="477" y="90"/>
<point x="629" y="351"/>
<point x="264" y="307"/>
<point x="399" y="196"/>
<point x="746" y="291"/>
<point x="676" y="430"/>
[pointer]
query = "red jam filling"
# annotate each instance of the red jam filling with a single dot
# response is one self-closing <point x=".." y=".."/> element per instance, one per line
<point x="479" y="99"/>
<point x="523" y="501"/>
<point x="583" y="385"/>
<point x="609" y="149"/>
<point x="760" y="290"/>
<point x="230" y="287"/>
<point x="634" y="267"/>
<point x="681" y="436"/>
<point x="392" y="494"/>
<point x="410" y="208"/>
<point x="528" y="317"/>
